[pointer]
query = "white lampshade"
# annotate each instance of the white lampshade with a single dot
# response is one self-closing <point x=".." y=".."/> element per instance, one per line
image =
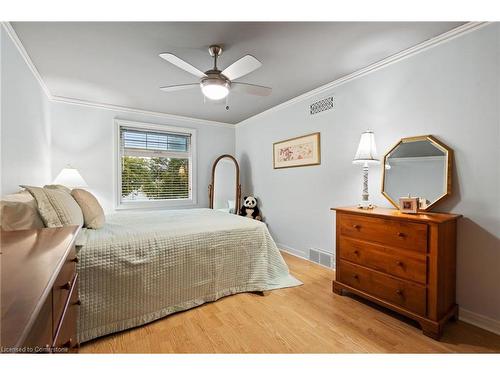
<point x="71" y="178"/>
<point x="367" y="151"/>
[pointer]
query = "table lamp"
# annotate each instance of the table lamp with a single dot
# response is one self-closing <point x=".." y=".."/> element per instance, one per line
<point x="365" y="155"/>
<point x="70" y="177"/>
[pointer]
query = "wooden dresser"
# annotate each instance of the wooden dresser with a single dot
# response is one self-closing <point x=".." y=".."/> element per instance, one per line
<point x="39" y="290"/>
<point x="404" y="262"/>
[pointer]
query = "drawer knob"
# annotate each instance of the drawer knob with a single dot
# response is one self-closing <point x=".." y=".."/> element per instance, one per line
<point x="399" y="263"/>
<point x="356" y="252"/>
<point x="399" y="292"/>
<point x="75" y="259"/>
<point x="356" y="226"/>
<point x="401" y="234"/>
<point x="355" y="277"/>
<point x="67" y="286"/>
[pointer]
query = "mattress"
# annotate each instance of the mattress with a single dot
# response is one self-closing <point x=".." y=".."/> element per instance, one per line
<point x="142" y="266"/>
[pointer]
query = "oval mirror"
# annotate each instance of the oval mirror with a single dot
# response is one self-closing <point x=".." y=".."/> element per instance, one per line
<point x="417" y="167"/>
<point x="224" y="191"/>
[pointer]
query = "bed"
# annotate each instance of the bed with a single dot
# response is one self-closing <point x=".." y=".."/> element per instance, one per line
<point x="142" y="266"/>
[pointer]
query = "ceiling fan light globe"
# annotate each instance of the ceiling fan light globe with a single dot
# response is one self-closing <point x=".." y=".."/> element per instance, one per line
<point x="214" y="89"/>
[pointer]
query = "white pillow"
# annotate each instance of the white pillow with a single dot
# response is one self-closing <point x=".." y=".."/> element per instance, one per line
<point x="19" y="211"/>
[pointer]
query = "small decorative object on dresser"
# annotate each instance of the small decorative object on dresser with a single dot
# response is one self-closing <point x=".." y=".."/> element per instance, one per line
<point x="403" y="262"/>
<point x="408" y="205"/>
<point x="365" y="155"/>
<point x="39" y="290"/>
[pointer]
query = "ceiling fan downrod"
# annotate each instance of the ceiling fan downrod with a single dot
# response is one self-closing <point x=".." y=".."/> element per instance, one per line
<point x="215" y="51"/>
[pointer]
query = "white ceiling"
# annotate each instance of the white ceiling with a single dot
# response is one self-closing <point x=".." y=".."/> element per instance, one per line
<point x="117" y="62"/>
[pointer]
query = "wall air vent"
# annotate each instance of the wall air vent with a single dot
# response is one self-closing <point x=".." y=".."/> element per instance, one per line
<point x="321" y="257"/>
<point x="321" y="105"/>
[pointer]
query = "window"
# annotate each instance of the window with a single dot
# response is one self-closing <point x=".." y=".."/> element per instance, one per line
<point x="155" y="165"/>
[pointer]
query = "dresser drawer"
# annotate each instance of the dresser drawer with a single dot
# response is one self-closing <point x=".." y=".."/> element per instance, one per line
<point x="62" y="287"/>
<point x="389" y="260"/>
<point x="408" y="295"/>
<point x="402" y="234"/>
<point x="65" y="336"/>
<point x="40" y="335"/>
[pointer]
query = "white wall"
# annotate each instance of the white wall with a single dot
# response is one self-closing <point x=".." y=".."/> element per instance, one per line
<point x="83" y="137"/>
<point x="450" y="91"/>
<point x="25" y="122"/>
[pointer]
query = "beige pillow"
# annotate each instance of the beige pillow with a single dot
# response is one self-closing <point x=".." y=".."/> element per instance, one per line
<point x="19" y="211"/>
<point x="58" y="187"/>
<point x="93" y="214"/>
<point x="56" y="207"/>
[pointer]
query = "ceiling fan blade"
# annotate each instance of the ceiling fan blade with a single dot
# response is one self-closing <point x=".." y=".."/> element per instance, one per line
<point x="178" y="62"/>
<point x="247" y="88"/>
<point x="180" y="87"/>
<point x="241" y="67"/>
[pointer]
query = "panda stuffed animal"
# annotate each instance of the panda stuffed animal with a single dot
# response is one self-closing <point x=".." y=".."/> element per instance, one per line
<point x="250" y="209"/>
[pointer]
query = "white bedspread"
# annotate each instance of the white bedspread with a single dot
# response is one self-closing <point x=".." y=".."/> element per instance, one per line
<point x="145" y="265"/>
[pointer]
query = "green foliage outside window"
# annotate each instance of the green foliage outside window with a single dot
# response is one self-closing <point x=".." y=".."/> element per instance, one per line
<point x="154" y="178"/>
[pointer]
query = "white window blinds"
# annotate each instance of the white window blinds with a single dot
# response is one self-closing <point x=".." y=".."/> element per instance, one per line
<point x="155" y="165"/>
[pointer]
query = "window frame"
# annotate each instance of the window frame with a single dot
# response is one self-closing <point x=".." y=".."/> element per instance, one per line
<point x="154" y="204"/>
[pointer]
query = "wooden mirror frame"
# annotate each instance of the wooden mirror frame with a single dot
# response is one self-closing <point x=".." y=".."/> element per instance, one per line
<point x="438" y="144"/>
<point x="238" y="185"/>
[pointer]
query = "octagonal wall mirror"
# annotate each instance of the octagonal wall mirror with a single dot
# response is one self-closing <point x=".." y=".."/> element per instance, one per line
<point x="417" y="167"/>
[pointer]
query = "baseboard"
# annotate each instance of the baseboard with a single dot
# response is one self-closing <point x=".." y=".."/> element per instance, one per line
<point x="479" y="320"/>
<point x="301" y="254"/>
<point x="292" y="251"/>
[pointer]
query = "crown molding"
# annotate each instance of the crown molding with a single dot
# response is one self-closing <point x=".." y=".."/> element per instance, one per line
<point x="26" y="57"/>
<point x="60" y="99"/>
<point x="409" y="52"/>
<point x="137" y="111"/>
<point x="430" y="43"/>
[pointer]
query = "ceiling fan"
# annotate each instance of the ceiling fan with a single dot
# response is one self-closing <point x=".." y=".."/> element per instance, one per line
<point x="214" y="83"/>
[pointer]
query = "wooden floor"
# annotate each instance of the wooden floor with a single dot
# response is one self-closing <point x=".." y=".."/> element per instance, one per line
<point x="304" y="319"/>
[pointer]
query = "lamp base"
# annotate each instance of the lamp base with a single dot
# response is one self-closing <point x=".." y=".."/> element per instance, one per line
<point x="365" y="202"/>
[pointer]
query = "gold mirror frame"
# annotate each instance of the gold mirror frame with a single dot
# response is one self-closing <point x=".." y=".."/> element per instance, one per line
<point x="438" y="144"/>
<point x="211" y="186"/>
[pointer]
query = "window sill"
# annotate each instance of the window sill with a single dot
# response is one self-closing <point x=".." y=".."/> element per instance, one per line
<point x="153" y="205"/>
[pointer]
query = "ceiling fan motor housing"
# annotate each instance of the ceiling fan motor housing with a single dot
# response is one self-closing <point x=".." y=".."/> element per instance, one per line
<point x="215" y="86"/>
<point x="215" y="77"/>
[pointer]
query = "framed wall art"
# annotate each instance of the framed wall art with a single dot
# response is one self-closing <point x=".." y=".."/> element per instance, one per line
<point x="297" y="152"/>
